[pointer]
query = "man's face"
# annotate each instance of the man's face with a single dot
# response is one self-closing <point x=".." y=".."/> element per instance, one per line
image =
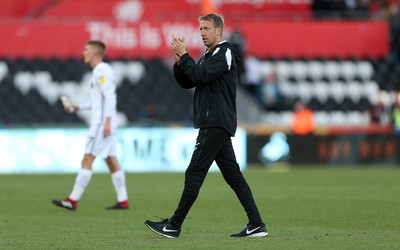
<point x="88" y="53"/>
<point x="209" y="34"/>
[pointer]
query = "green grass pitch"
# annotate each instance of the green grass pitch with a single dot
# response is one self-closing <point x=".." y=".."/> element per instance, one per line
<point x="304" y="208"/>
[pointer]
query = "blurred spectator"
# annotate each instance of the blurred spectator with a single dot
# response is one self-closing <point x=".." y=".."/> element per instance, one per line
<point x="320" y="8"/>
<point x="351" y="4"/>
<point x="380" y="9"/>
<point x="303" y="119"/>
<point x="252" y="77"/>
<point x="361" y="9"/>
<point x="271" y="96"/>
<point x="148" y="117"/>
<point x="237" y="40"/>
<point x="396" y="116"/>
<point x="394" y="24"/>
<point x="389" y="10"/>
<point x="328" y="8"/>
<point x="377" y="112"/>
<point x="207" y="6"/>
<point x="340" y="9"/>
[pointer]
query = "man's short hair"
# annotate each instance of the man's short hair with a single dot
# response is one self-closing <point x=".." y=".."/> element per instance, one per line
<point x="99" y="44"/>
<point x="216" y="19"/>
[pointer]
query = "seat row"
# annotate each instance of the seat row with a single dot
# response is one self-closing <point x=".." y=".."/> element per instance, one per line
<point x="321" y="118"/>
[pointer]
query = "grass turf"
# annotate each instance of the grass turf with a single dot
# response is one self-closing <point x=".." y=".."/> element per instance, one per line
<point x="304" y="208"/>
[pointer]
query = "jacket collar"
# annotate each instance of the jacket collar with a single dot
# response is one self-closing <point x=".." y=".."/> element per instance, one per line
<point x="219" y="44"/>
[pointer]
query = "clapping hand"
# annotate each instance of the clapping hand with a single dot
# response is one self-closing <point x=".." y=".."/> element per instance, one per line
<point x="179" y="47"/>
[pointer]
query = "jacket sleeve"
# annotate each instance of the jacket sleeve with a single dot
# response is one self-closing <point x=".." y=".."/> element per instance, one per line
<point x="209" y="70"/>
<point x="181" y="78"/>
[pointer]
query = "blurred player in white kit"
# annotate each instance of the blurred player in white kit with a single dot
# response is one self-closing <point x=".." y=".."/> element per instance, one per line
<point x="101" y="140"/>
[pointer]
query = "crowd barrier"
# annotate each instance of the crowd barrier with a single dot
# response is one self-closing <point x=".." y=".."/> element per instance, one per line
<point x="329" y="149"/>
<point x="57" y="150"/>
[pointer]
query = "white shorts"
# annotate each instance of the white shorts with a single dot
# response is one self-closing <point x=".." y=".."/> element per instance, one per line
<point x="98" y="145"/>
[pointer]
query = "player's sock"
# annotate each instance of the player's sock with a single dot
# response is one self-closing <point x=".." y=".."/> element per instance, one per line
<point x="81" y="181"/>
<point x="118" y="179"/>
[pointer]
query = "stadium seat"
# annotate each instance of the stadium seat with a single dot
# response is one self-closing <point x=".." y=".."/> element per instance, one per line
<point x="266" y="67"/>
<point x="371" y="91"/>
<point x="3" y="70"/>
<point x="332" y="70"/>
<point x="286" y="118"/>
<point x="354" y="91"/>
<point x="347" y="104"/>
<point x="348" y="70"/>
<point x="37" y="64"/>
<point x="23" y="81"/>
<point x="288" y="89"/>
<point x="271" y="118"/>
<point x="327" y="85"/>
<point x="304" y="90"/>
<point x="315" y="70"/>
<point x="337" y="90"/>
<point x="331" y="104"/>
<point x="321" y="118"/>
<point x="284" y="69"/>
<point x="320" y="91"/>
<point x="300" y="70"/>
<point x="20" y="64"/>
<point x="315" y="104"/>
<point x="357" y="118"/>
<point x="364" y="70"/>
<point x="338" y="118"/>
<point x="364" y="104"/>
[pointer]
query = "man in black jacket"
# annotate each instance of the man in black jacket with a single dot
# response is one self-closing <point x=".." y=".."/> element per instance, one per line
<point x="214" y="113"/>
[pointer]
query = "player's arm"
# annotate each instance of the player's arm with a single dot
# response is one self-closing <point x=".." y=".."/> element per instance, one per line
<point x="107" y="126"/>
<point x="108" y="109"/>
<point x="84" y="106"/>
<point x="108" y="91"/>
<point x="209" y="71"/>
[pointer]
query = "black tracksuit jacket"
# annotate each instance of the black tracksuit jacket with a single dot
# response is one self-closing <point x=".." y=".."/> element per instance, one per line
<point x="215" y="78"/>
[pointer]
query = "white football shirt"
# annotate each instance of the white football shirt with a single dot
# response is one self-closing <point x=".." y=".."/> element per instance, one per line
<point x="103" y="101"/>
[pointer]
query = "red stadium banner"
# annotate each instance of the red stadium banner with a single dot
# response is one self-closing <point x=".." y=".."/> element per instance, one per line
<point x="138" y="28"/>
<point x="20" y="8"/>
<point x="152" y="39"/>
<point x="316" y="39"/>
<point x="140" y="10"/>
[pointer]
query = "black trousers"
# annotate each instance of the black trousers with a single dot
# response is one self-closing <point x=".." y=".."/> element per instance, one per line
<point x="214" y="144"/>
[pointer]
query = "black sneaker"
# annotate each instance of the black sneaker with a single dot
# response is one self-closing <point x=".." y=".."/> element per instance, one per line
<point x="252" y="231"/>
<point x="163" y="228"/>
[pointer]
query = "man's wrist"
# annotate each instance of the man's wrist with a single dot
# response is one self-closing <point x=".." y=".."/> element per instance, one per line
<point x="180" y="58"/>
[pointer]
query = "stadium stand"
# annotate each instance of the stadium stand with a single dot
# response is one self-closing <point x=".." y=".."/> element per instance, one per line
<point x="39" y="83"/>
<point x="339" y="89"/>
<point x="337" y="96"/>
